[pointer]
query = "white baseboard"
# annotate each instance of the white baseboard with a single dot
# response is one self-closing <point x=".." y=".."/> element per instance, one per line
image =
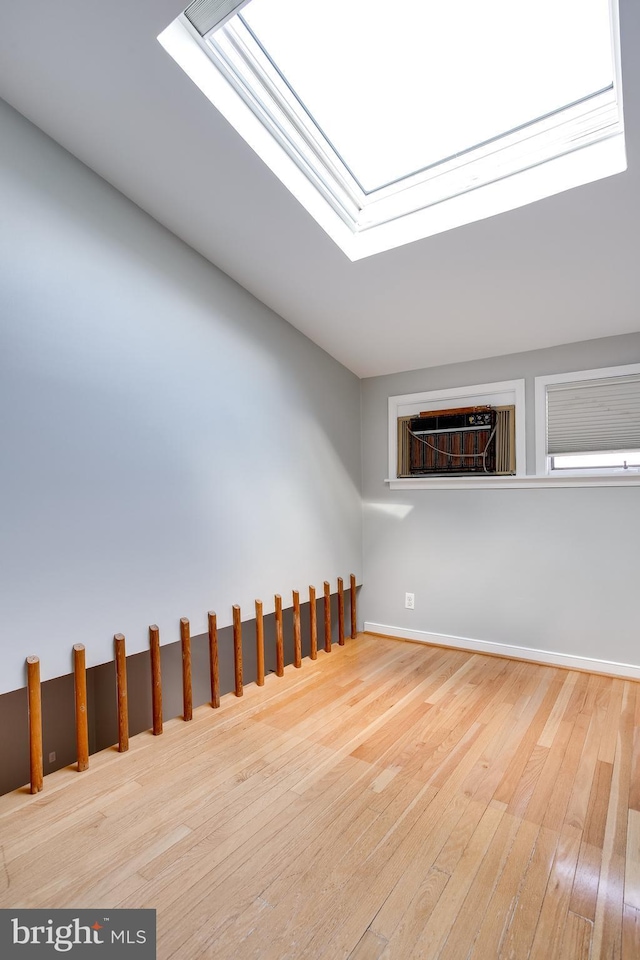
<point x="550" y="657"/>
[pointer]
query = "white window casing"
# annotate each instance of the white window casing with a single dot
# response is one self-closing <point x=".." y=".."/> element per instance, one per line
<point x="575" y="144"/>
<point x="502" y="393"/>
<point x="608" y="395"/>
<point x="587" y="412"/>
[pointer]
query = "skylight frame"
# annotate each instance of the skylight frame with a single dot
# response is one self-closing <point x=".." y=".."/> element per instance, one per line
<point x="256" y="80"/>
<point x="461" y="189"/>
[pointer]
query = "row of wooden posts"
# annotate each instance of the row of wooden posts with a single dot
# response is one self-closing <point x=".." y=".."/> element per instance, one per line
<point x="80" y="675"/>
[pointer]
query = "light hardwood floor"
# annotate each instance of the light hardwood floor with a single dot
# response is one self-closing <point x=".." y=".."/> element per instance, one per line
<point x="390" y="800"/>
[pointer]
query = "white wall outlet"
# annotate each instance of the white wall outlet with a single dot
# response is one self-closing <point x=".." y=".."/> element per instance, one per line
<point x="52" y="757"/>
<point x="410" y="601"/>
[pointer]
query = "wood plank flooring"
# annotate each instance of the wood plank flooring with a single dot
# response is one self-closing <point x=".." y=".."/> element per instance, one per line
<point x="389" y="800"/>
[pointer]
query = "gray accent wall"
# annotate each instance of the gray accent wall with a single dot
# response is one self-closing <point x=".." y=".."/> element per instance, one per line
<point x="549" y="569"/>
<point x="168" y="445"/>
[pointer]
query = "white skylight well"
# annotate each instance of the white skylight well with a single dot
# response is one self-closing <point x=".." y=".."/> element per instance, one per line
<point x="392" y="129"/>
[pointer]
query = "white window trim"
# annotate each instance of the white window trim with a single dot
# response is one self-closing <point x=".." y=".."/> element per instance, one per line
<point x="362" y="228"/>
<point x="543" y="467"/>
<point x="410" y="404"/>
<point x="506" y="483"/>
<point x="254" y="77"/>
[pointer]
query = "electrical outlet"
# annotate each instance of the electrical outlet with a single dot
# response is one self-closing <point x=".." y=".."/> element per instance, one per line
<point x="410" y="601"/>
<point x="52" y="757"/>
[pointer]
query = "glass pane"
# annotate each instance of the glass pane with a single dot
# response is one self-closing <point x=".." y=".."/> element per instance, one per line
<point x="397" y="93"/>
<point x="594" y="461"/>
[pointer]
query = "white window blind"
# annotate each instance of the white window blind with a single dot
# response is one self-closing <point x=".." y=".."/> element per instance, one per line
<point x="593" y="415"/>
<point x="204" y="15"/>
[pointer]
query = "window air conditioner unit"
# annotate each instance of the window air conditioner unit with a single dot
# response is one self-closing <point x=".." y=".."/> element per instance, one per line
<point x="457" y="442"/>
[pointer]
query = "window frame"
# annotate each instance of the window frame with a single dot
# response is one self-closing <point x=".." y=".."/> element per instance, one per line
<point x="544" y="467"/>
<point x="364" y="224"/>
<point x="503" y="392"/>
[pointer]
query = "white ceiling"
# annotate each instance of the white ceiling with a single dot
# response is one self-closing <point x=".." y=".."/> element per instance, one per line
<point x="93" y="76"/>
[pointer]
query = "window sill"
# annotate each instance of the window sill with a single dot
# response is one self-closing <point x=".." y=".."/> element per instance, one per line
<point x="506" y="483"/>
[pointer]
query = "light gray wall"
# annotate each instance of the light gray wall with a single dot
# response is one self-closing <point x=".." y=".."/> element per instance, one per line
<point x="168" y="444"/>
<point x="551" y="569"/>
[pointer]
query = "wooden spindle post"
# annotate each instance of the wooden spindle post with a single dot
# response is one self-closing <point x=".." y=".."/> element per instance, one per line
<point x="187" y="687"/>
<point x="121" y="686"/>
<point x="259" y="644"/>
<point x="237" y="648"/>
<point x="82" y="720"/>
<point x="327" y="616"/>
<point x="35" y="723"/>
<point x="354" y="628"/>
<point x="297" y="633"/>
<point x="340" y="612"/>
<point x="279" y="637"/>
<point x="156" y="679"/>
<point x="313" y="625"/>
<point x="213" y="659"/>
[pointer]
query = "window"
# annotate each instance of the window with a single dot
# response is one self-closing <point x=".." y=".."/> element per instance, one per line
<point x="458" y="441"/>
<point x="457" y="435"/>
<point x="588" y="423"/>
<point x="587" y="433"/>
<point x="434" y="117"/>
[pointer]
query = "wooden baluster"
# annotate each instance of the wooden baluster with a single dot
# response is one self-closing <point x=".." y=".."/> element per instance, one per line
<point x="237" y="648"/>
<point x="35" y="723"/>
<point x="82" y="720"/>
<point x="340" y="612"/>
<point x="213" y="659"/>
<point x="279" y="637"/>
<point x="297" y="634"/>
<point x="156" y="679"/>
<point x="259" y="644"/>
<point x="327" y="616"/>
<point x="313" y="625"/>
<point x="121" y="686"/>
<point x="354" y="629"/>
<point x="187" y="687"/>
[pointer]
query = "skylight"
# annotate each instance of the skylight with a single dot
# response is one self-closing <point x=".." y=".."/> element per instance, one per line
<point x="388" y="130"/>
<point x="396" y="98"/>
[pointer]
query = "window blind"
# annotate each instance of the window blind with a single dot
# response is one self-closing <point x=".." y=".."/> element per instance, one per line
<point x="207" y="14"/>
<point x="594" y="415"/>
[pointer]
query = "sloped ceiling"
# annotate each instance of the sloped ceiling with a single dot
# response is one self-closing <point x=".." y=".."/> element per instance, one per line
<point x="93" y="76"/>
